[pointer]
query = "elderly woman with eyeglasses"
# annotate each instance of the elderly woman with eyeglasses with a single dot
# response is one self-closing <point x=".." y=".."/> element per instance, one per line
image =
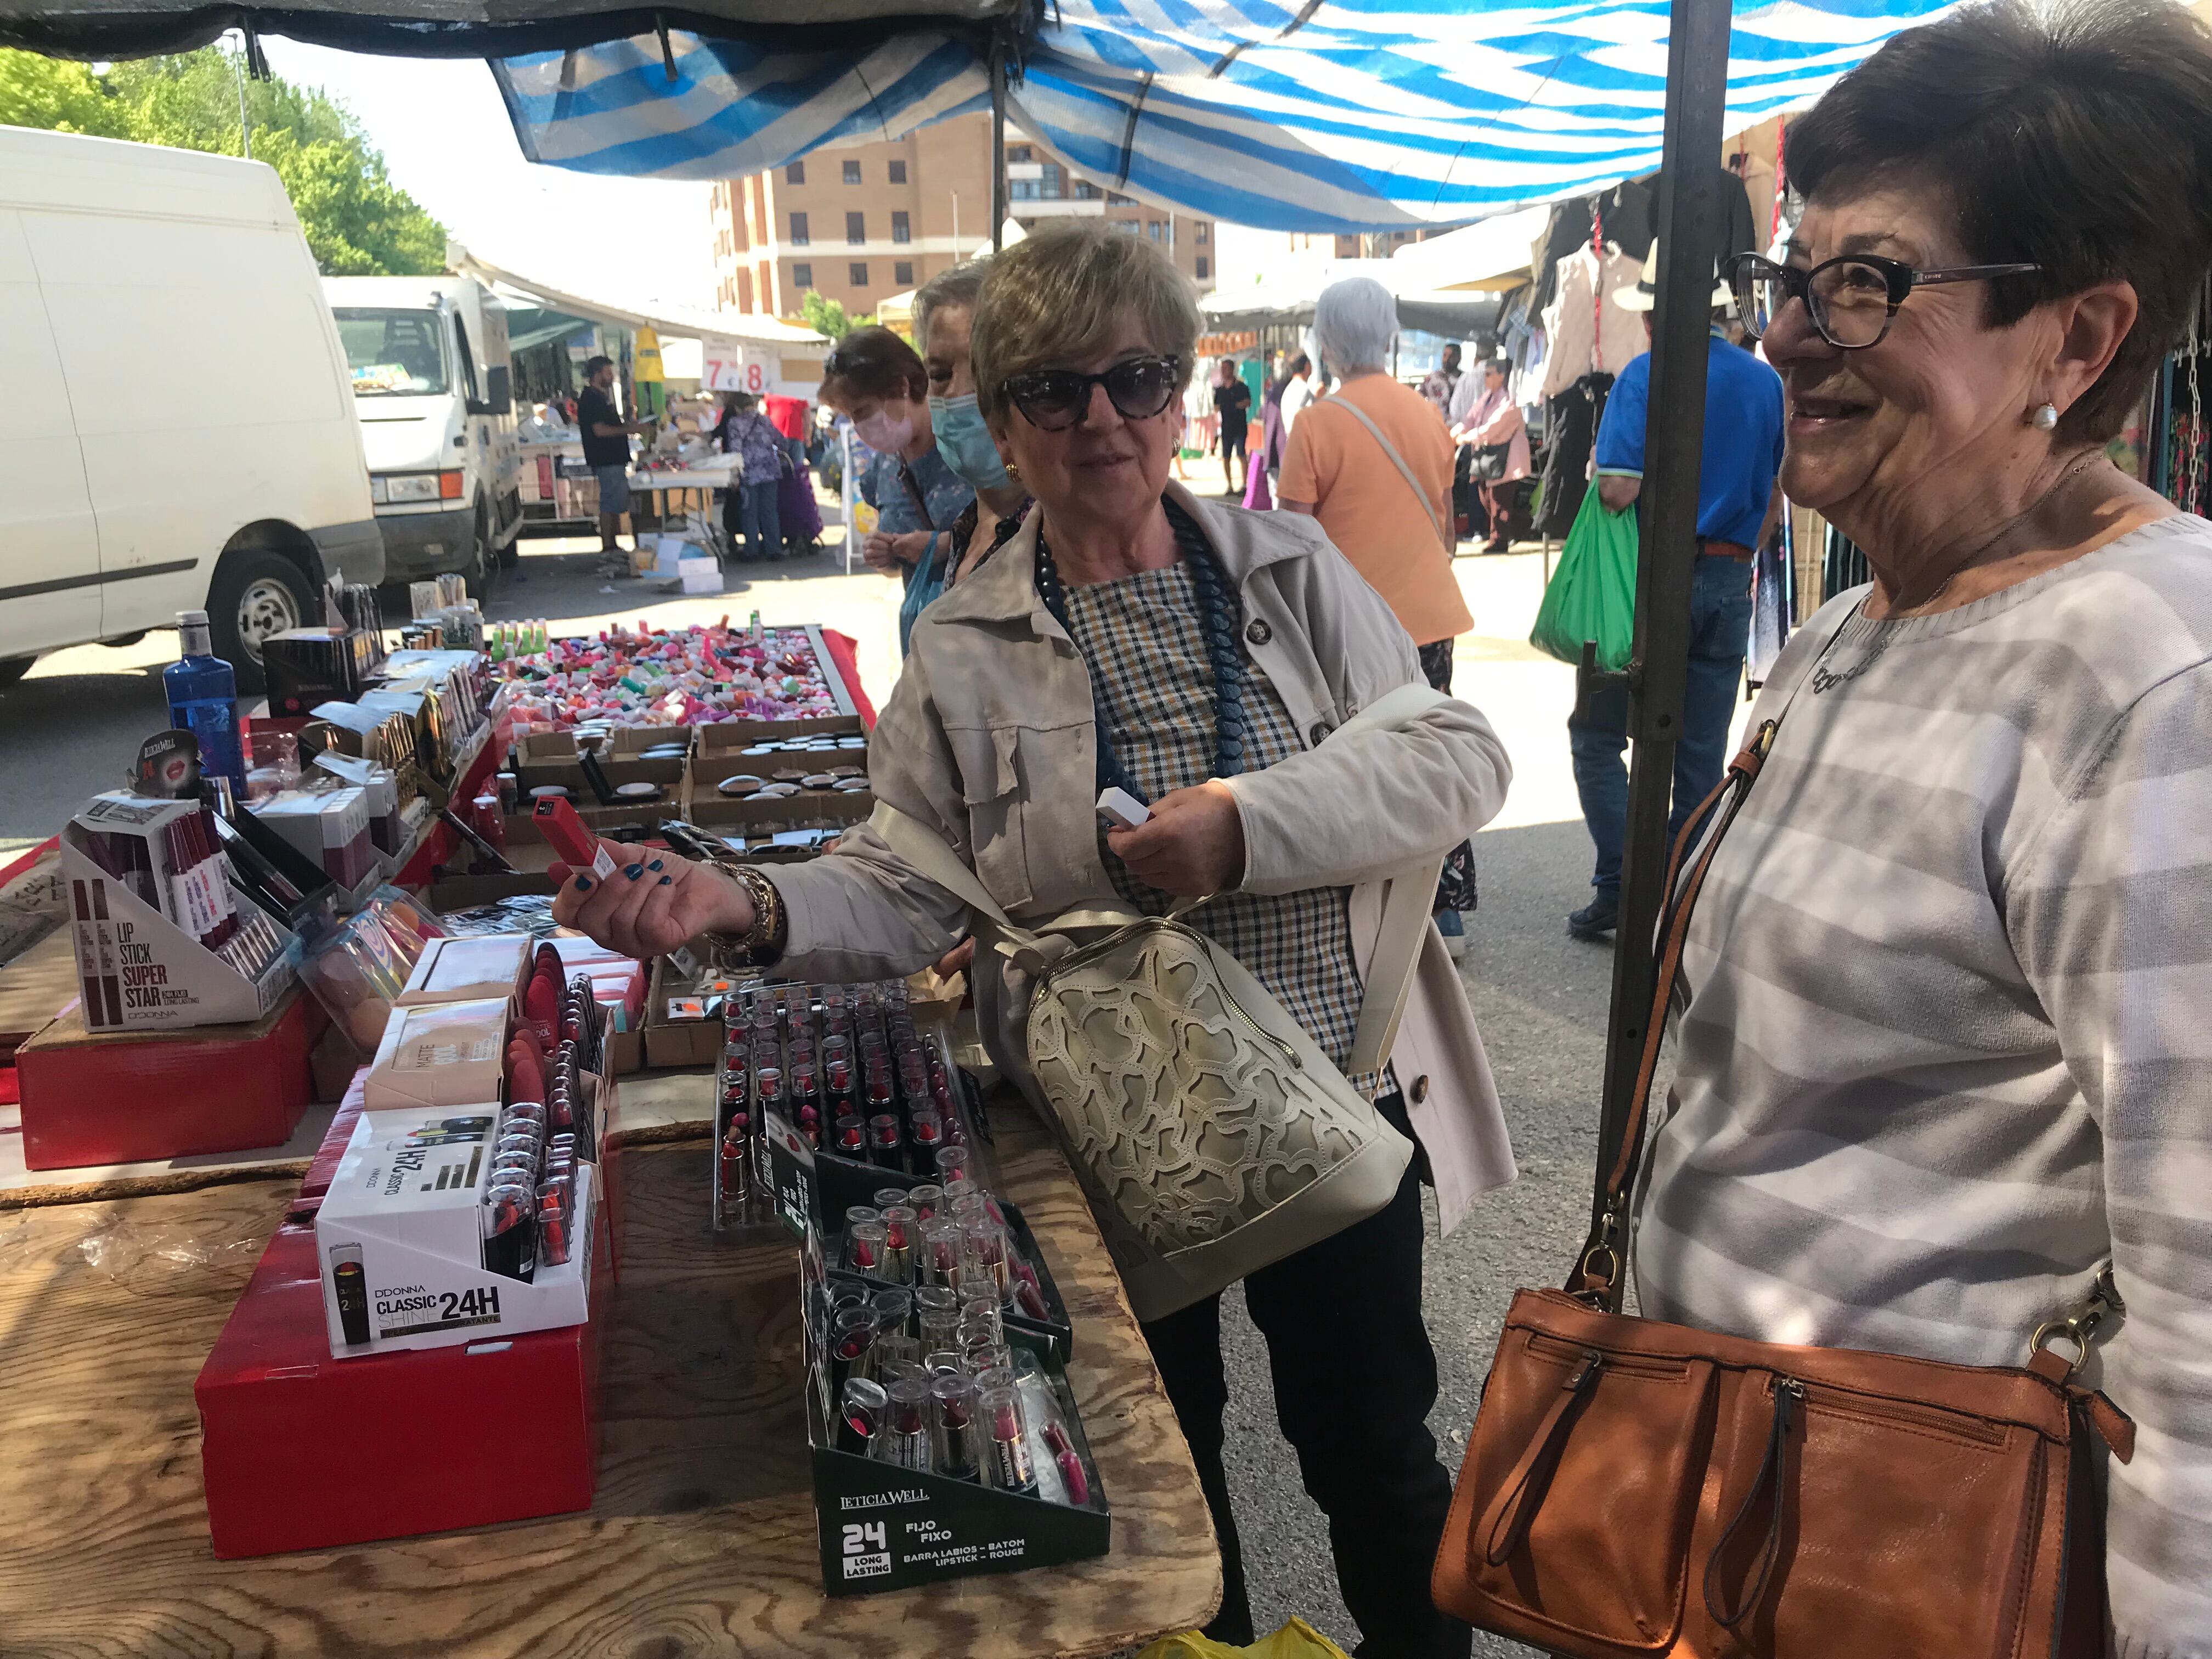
<point x="1944" y="1058"/>
<point x="1197" y="655"/>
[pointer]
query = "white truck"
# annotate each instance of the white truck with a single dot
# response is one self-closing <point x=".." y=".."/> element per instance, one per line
<point x="177" y="435"/>
<point x="432" y="384"/>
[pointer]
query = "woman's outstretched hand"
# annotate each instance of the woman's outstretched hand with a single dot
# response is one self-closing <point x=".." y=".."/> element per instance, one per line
<point x="1192" y="846"/>
<point x="652" y="903"/>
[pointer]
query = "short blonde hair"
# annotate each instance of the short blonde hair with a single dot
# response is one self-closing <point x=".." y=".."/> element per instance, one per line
<point x="1062" y="294"/>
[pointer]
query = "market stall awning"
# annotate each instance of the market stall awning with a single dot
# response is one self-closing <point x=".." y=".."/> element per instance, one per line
<point x="1290" y="302"/>
<point x="1492" y="256"/>
<point x="1340" y="115"/>
<point x="731" y="327"/>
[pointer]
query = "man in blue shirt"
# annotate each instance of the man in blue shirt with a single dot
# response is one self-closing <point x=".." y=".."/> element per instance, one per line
<point x="1738" y="505"/>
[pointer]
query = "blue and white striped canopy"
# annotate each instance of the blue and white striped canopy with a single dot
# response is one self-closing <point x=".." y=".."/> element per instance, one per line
<point x="1345" y="115"/>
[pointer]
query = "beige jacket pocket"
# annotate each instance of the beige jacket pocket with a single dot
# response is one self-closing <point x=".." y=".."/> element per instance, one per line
<point x="991" y="789"/>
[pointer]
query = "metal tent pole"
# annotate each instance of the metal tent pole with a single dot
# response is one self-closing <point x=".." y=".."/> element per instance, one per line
<point x="998" y="145"/>
<point x="1688" y="221"/>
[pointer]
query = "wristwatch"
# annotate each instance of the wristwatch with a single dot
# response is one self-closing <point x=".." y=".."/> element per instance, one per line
<point x="763" y="943"/>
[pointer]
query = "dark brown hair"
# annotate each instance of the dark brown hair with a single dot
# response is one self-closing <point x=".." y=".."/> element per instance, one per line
<point x="874" y="362"/>
<point x="2076" y="135"/>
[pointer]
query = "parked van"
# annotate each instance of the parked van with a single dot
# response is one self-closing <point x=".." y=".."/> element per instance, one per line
<point x="179" y="432"/>
<point x="431" y="382"/>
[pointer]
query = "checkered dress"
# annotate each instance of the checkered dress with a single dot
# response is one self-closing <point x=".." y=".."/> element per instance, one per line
<point x="1141" y="636"/>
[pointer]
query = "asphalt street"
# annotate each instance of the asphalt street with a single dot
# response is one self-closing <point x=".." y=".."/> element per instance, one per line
<point x="73" y="725"/>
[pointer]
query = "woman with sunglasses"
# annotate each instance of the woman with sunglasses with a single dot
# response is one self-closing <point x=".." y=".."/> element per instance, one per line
<point x="1197" y="655"/>
<point x="1943" y="1058"/>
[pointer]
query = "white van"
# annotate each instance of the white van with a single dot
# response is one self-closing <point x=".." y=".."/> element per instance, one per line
<point x="177" y="435"/>
<point x="431" y="382"/>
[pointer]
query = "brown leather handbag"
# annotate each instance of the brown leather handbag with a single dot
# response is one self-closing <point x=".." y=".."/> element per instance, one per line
<point x="1636" y="1488"/>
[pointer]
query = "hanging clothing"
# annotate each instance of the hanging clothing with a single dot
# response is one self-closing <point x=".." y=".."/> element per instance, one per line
<point x="1589" y="333"/>
<point x="1571" y="424"/>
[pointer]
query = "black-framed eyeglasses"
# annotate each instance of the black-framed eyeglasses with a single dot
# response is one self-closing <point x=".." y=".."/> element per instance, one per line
<point x="1054" y="399"/>
<point x="1851" y="299"/>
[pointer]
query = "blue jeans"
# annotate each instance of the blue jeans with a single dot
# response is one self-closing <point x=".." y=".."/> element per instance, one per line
<point x="761" y="520"/>
<point x="1720" y="628"/>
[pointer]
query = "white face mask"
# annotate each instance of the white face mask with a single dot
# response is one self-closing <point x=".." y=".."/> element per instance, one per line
<point x="880" y="431"/>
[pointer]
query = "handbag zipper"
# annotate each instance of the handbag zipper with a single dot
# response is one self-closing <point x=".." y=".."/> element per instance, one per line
<point x="1881" y="1408"/>
<point x="1631" y="1365"/>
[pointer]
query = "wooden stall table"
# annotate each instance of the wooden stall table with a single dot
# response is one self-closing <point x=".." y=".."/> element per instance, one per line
<point x="701" y="1540"/>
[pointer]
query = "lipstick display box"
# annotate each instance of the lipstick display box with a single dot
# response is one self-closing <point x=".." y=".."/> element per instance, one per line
<point x="893" y="1510"/>
<point x="164" y="940"/>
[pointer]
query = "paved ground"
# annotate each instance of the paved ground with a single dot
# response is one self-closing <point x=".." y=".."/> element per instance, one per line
<point x="73" y="725"/>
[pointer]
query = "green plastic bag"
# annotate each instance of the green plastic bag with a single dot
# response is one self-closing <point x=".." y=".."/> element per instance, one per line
<point x="1592" y="594"/>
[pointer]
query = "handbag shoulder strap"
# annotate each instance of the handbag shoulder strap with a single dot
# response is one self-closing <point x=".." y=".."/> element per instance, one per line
<point x="1600" y="1273"/>
<point x="1404" y="472"/>
<point x="1397" y="947"/>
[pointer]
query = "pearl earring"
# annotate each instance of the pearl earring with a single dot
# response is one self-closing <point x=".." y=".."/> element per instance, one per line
<point x="2045" y="418"/>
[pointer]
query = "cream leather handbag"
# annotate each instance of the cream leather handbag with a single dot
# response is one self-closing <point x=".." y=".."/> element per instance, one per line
<point x="1210" y="1132"/>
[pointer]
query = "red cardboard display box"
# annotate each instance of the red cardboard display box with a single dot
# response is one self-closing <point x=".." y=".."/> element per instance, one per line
<point x="301" y="1451"/>
<point x="142" y="1097"/>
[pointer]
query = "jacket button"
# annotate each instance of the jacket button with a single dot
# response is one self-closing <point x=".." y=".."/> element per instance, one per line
<point x="1421" y="1089"/>
<point x="1259" y="633"/>
<point x="1320" y="732"/>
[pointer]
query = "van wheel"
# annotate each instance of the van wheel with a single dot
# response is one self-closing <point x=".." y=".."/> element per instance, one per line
<point x="255" y="594"/>
<point x="482" y="562"/>
<point x="14" y="668"/>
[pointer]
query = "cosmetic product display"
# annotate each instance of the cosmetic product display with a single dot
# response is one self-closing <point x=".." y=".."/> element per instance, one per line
<point x="817" y="1084"/>
<point x="931" y="1461"/>
<point x="311" y="665"/>
<point x="327" y="825"/>
<point x="698" y="676"/>
<point x="164" y="936"/>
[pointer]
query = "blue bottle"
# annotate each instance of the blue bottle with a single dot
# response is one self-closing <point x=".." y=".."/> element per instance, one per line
<point x="203" y="701"/>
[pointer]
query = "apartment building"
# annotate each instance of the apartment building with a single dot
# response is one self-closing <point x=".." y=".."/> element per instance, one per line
<point x="863" y="222"/>
<point x="1373" y="245"/>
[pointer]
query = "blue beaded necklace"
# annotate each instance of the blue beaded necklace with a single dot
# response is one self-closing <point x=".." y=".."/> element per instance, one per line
<point x="1218" y="615"/>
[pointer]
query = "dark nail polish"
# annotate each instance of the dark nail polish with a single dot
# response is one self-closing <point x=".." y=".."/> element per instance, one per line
<point x="634" y="871"/>
<point x="665" y="880"/>
<point x="583" y="883"/>
<point x="655" y="865"/>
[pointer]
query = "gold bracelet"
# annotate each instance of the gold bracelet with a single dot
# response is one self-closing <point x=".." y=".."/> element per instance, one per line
<point x="764" y="941"/>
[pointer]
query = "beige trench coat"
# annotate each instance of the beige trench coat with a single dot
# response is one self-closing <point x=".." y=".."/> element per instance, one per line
<point x="989" y="739"/>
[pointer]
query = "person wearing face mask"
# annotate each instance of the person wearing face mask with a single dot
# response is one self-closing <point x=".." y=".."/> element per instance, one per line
<point x="876" y="379"/>
<point x="944" y="319"/>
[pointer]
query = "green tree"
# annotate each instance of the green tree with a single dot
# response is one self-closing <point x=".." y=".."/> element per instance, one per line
<point x="358" y="222"/>
<point x="824" y="316"/>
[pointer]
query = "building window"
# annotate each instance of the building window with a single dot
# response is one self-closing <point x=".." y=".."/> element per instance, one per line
<point x="1152" y="228"/>
<point x="1021" y="190"/>
<point x="897" y="172"/>
<point x="1201" y="267"/>
<point x="1128" y="226"/>
<point x="802" y="275"/>
<point x="902" y="272"/>
<point x="856" y="226"/>
<point x="1114" y="199"/>
<point x="744" y="291"/>
<point x="1202" y="233"/>
<point x="799" y="230"/>
<point x="852" y="173"/>
<point x="1054" y="185"/>
<point x="1087" y="192"/>
<point x="857" y="274"/>
<point x="1017" y="152"/>
<point x="795" y="174"/>
<point x="902" y="230"/>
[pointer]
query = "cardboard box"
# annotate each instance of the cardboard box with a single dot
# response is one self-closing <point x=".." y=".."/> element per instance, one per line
<point x="329" y="826"/>
<point x="700" y="576"/>
<point x="400" y="1234"/>
<point x="543" y="757"/>
<point x="469" y="970"/>
<point x="676" y="1042"/>
<point x="94" y="1098"/>
<point x="136" y="967"/>
<point x="301" y="1451"/>
<point x="440" y="1055"/>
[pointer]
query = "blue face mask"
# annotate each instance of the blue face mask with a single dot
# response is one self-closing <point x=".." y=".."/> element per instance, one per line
<point x="965" y="441"/>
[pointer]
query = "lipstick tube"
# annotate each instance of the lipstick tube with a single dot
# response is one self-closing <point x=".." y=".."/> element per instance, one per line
<point x="936" y="1316"/>
<point x="865" y="1248"/>
<point x="906" y="1439"/>
<point x="1006" y="1459"/>
<point x="1070" y="1466"/>
<point x="901" y="1233"/>
<point x="861" y="1410"/>
<point x="941" y="1260"/>
<point x="983" y="1257"/>
<point x="953" y="1450"/>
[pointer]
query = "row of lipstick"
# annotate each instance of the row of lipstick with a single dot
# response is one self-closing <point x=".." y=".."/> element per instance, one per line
<point x="968" y="1413"/>
<point x="952" y="1236"/>
<point x="182" y="873"/>
<point x="530" y="1201"/>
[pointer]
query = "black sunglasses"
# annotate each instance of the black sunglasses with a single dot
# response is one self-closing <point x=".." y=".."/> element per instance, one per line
<point x="1054" y="399"/>
<point x="1851" y="299"/>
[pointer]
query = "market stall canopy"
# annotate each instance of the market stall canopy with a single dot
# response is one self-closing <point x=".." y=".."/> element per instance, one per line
<point x="1342" y="115"/>
<point x="1290" y="302"/>
<point x="733" y="327"/>
<point x="1493" y="257"/>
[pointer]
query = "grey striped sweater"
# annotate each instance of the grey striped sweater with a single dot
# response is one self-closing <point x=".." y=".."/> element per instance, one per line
<point x="1949" y="1040"/>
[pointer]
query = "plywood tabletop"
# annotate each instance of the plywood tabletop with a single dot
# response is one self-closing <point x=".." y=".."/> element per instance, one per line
<point x="701" y="1541"/>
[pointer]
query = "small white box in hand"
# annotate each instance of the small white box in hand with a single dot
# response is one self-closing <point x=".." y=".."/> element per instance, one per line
<point x="1121" y="809"/>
